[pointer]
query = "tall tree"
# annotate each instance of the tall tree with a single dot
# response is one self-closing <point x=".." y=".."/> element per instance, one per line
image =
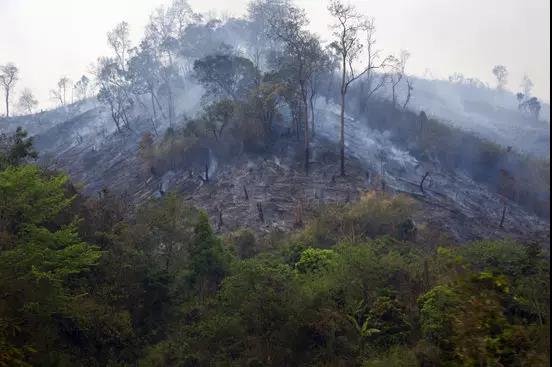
<point x="166" y="27"/>
<point x="81" y="86"/>
<point x="501" y="74"/>
<point x="301" y="57"/>
<point x="114" y="91"/>
<point x="398" y="73"/>
<point x="60" y="94"/>
<point x="527" y="86"/>
<point x="119" y="40"/>
<point x="347" y="43"/>
<point x="260" y="41"/>
<point x="144" y="74"/>
<point x="375" y="77"/>
<point x="27" y="101"/>
<point x="226" y="76"/>
<point x="9" y="75"/>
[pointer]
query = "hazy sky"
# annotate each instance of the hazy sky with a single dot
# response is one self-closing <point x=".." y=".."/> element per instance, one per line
<point x="51" y="38"/>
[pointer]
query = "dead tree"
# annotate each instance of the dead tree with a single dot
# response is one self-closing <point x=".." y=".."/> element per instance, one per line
<point x="220" y="221"/>
<point x="206" y="178"/>
<point x="245" y="193"/>
<point x="503" y="216"/>
<point x="410" y="88"/>
<point x="299" y="214"/>
<point x="347" y="27"/>
<point x="423" y="180"/>
<point x="260" y="211"/>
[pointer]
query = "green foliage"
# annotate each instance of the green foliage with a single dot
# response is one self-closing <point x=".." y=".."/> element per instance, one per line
<point x="375" y="214"/>
<point x="159" y="287"/>
<point x="32" y="198"/>
<point x="396" y="357"/>
<point x="435" y="318"/>
<point x="209" y="261"/>
<point x="38" y="263"/>
<point x="243" y="243"/>
<point x="313" y="260"/>
<point x="16" y="149"/>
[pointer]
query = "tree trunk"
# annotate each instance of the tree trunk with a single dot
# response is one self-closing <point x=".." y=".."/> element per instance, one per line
<point x="312" y="113"/>
<point x="171" y="104"/>
<point x="342" y="134"/>
<point x="306" y="112"/>
<point x="503" y="216"/>
<point x="422" y="182"/>
<point x="7" y="103"/>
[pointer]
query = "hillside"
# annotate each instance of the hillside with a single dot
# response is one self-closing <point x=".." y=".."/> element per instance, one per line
<point x="81" y="141"/>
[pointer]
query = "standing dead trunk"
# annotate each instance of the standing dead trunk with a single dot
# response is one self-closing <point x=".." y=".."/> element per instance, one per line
<point x="423" y="180"/>
<point x="245" y="193"/>
<point x="311" y="101"/>
<point x="503" y="218"/>
<point x="342" y="134"/>
<point x="7" y="103"/>
<point x="306" y="130"/>
<point x="220" y="221"/>
<point x="260" y="211"/>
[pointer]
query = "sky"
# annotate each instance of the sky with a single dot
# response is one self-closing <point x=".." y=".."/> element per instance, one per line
<point x="48" y="39"/>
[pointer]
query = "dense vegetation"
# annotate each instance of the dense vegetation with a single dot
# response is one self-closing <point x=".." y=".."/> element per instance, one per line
<point x="94" y="282"/>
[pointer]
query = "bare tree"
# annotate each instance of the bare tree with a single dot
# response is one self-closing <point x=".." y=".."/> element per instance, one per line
<point x="166" y="27"/>
<point x="119" y="40"/>
<point x="398" y="73"/>
<point x="81" y="86"/>
<point x="375" y="63"/>
<point x="410" y="88"/>
<point x="526" y="86"/>
<point x="60" y="94"/>
<point x="346" y="32"/>
<point x="260" y="13"/>
<point x="9" y="75"/>
<point x="501" y="74"/>
<point x="302" y="53"/>
<point x="27" y="101"/>
<point x="114" y="91"/>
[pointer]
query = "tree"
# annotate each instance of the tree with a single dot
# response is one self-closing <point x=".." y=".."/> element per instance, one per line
<point x="144" y="74"/>
<point x="398" y="73"/>
<point x="27" y="101"/>
<point x="16" y="149"/>
<point x="119" y="40"/>
<point x="302" y="56"/>
<point x="375" y="62"/>
<point x="226" y="76"/>
<point x="39" y="262"/>
<point x="322" y="71"/>
<point x="167" y="224"/>
<point x="346" y="31"/>
<point x="260" y="14"/>
<point x="526" y="86"/>
<point x="217" y="116"/>
<point x="9" y="75"/>
<point x="81" y="86"/>
<point x="520" y="97"/>
<point x="208" y="260"/>
<point x="533" y="106"/>
<point x="410" y="88"/>
<point x="114" y="91"/>
<point x="166" y="27"/>
<point x="501" y="74"/>
<point x="60" y="94"/>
